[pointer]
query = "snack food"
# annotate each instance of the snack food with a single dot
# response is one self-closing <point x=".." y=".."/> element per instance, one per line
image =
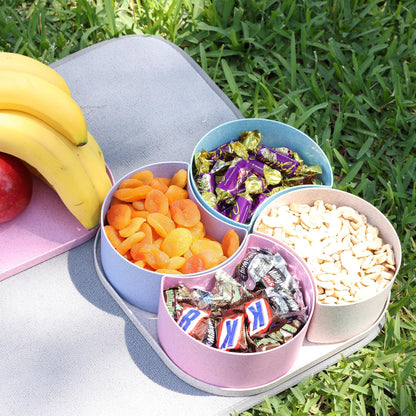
<point x="152" y="223"/>
<point x="346" y="255"/>
<point x="236" y="177"/>
<point x="257" y="309"/>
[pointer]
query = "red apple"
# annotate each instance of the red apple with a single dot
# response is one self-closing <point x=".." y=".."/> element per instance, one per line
<point x="16" y="185"/>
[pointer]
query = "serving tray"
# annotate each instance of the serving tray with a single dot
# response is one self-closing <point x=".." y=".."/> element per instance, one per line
<point x="312" y="357"/>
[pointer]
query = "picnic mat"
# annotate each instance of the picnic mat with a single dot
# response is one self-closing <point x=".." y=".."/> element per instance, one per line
<point x="66" y="347"/>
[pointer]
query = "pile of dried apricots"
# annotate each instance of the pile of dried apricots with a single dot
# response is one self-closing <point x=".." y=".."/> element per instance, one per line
<point x="152" y="223"/>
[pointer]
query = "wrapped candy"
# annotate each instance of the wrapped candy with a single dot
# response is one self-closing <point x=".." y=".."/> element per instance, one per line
<point x="284" y="164"/>
<point x="242" y="170"/>
<point x="232" y="317"/>
<point x="241" y="208"/>
<point x="233" y="180"/>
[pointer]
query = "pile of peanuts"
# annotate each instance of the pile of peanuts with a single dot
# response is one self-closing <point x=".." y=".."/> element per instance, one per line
<point x="346" y="255"/>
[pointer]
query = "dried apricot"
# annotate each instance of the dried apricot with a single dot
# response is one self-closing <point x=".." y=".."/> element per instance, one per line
<point x="210" y="259"/>
<point x="132" y="228"/>
<point x="176" y="262"/>
<point x="193" y="264"/>
<point x="115" y="201"/>
<point x="204" y="244"/>
<point x="145" y="176"/>
<point x="130" y="183"/>
<point x="159" y="185"/>
<point x="140" y="263"/>
<point x="177" y="242"/>
<point x="147" y="229"/>
<point x="119" y="216"/>
<point x="153" y="223"/>
<point x="139" y="205"/>
<point x="180" y="178"/>
<point x="175" y="192"/>
<point x="160" y="223"/>
<point x="166" y="181"/>
<point x="125" y="246"/>
<point x="158" y="242"/>
<point x="230" y="243"/>
<point x="156" y="201"/>
<point x="155" y="257"/>
<point x="197" y="230"/>
<point x="113" y="235"/>
<point x="133" y="194"/>
<point x="136" y="248"/>
<point x="136" y="213"/>
<point x="185" y="212"/>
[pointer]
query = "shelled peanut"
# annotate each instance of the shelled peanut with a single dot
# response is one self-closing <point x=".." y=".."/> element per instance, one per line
<point x="153" y="223"/>
<point x="346" y="255"/>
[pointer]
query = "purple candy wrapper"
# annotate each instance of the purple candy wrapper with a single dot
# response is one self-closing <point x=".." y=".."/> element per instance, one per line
<point x="242" y="208"/>
<point x="277" y="160"/>
<point x="236" y="177"/>
<point x="233" y="180"/>
<point x="229" y="151"/>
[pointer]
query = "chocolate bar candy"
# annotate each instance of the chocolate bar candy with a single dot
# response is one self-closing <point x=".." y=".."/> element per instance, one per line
<point x="267" y="343"/>
<point x="271" y="176"/>
<point x="227" y="291"/>
<point x="241" y="272"/>
<point x="276" y="160"/>
<point x="231" y="333"/>
<point x="258" y="314"/>
<point x="233" y="180"/>
<point x="241" y="208"/>
<point x="229" y="151"/>
<point x="284" y="304"/>
<point x="210" y="336"/>
<point x="203" y="162"/>
<point x="194" y="321"/>
<point x="210" y="198"/>
<point x="170" y="301"/>
<point x="205" y="182"/>
<point x="250" y="139"/>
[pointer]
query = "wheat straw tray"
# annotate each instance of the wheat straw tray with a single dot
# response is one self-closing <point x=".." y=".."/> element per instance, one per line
<point x="28" y="240"/>
<point x="312" y="357"/>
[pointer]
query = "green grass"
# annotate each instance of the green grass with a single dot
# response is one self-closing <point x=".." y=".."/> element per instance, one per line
<point x="344" y="72"/>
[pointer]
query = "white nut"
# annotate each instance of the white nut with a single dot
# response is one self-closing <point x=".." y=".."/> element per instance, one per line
<point x="345" y="254"/>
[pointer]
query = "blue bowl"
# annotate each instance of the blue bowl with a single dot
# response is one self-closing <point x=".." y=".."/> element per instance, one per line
<point x="139" y="286"/>
<point x="273" y="134"/>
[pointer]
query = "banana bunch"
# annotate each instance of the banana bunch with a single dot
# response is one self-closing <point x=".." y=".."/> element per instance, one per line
<point x="41" y="124"/>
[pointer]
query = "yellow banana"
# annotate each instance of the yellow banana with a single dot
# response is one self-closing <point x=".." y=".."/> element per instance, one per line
<point x="30" y="94"/>
<point x="37" y="144"/>
<point x="16" y="62"/>
<point x="95" y="146"/>
<point x="94" y="165"/>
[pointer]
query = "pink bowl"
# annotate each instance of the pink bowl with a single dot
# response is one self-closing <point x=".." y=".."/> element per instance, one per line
<point x="231" y="369"/>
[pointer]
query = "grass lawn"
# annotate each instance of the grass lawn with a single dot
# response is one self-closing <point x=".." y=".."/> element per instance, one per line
<point x="344" y="72"/>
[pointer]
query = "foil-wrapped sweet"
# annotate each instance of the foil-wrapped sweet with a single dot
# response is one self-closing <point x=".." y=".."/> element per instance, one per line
<point x="236" y="177"/>
<point x="258" y="308"/>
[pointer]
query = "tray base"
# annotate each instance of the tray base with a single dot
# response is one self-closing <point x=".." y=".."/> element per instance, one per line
<point x="312" y="357"/>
